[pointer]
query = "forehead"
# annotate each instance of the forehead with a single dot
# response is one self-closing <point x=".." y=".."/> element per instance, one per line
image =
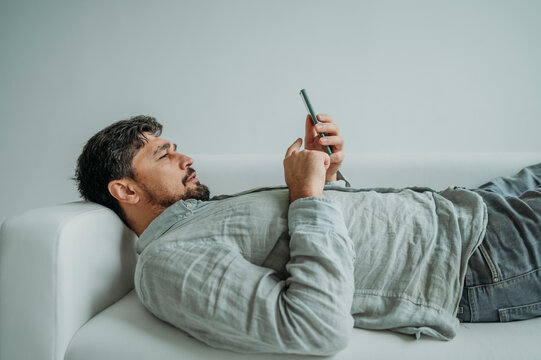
<point x="150" y="145"/>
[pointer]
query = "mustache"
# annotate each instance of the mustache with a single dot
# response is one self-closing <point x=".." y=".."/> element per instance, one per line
<point x="188" y="174"/>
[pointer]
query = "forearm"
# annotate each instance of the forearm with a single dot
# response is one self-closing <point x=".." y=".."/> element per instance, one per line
<point x="319" y="237"/>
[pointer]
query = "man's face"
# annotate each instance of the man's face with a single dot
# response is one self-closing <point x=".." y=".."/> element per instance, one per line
<point x="165" y="176"/>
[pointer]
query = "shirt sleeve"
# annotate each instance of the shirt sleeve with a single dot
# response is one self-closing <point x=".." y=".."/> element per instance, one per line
<point x="209" y="290"/>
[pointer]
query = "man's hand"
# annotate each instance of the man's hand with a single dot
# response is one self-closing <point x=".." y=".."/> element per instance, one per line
<point x="305" y="171"/>
<point x="332" y="138"/>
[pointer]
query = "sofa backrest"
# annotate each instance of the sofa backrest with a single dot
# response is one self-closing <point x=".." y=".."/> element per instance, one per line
<point x="233" y="173"/>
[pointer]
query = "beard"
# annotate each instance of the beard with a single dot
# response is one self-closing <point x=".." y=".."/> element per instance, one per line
<point x="197" y="192"/>
<point x="200" y="192"/>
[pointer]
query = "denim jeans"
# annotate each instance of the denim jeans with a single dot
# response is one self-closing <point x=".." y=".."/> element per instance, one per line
<point x="503" y="280"/>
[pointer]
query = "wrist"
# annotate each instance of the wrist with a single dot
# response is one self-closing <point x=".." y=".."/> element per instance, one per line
<point x="332" y="177"/>
<point x="296" y="194"/>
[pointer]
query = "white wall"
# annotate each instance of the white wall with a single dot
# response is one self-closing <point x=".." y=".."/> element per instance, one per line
<point x="224" y="76"/>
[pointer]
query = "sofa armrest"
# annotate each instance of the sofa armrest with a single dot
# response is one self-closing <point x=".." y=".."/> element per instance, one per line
<point x="59" y="266"/>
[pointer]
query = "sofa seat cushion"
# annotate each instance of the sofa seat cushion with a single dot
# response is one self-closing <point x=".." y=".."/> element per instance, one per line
<point x="126" y="330"/>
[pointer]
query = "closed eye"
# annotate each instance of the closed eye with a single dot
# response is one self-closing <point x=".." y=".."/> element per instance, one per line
<point x="165" y="147"/>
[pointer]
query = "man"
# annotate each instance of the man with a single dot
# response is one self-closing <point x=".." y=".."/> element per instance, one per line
<point x="292" y="269"/>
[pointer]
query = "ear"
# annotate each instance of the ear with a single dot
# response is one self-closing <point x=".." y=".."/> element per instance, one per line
<point x="124" y="191"/>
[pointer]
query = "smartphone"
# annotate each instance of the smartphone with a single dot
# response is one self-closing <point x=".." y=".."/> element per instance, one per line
<point x="312" y="113"/>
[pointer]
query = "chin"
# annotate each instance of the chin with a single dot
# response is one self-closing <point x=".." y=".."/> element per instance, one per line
<point x="197" y="192"/>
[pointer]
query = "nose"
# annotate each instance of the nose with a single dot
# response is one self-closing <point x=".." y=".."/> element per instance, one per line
<point x="185" y="162"/>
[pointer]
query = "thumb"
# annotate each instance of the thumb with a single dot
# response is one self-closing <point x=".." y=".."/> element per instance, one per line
<point x="294" y="147"/>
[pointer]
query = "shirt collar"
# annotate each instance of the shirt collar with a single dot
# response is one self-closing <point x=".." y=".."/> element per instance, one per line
<point x="170" y="216"/>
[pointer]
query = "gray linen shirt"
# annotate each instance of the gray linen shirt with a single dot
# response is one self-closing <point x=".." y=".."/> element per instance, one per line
<point x="253" y="273"/>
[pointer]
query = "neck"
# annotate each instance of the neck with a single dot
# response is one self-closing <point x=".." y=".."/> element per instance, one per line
<point x="140" y="218"/>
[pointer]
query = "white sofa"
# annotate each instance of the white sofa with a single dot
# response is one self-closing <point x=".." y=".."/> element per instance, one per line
<point x="66" y="287"/>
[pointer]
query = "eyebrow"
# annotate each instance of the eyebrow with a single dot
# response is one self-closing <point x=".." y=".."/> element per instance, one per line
<point x="163" y="147"/>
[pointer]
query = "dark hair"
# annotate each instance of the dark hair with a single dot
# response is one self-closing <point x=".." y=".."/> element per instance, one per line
<point x="108" y="156"/>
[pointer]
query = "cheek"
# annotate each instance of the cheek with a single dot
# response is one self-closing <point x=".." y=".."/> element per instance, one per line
<point x="175" y="182"/>
<point x="169" y="176"/>
<point x="165" y="182"/>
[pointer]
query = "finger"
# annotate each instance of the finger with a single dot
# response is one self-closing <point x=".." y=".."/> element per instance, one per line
<point x="338" y="157"/>
<point x="309" y="129"/>
<point x="327" y="128"/>
<point x="324" y="118"/>
<point x="321" y="156"/>
<point x="294" y="147"/>
<point x="336" y="141"/>
<point x="326" y="161"/>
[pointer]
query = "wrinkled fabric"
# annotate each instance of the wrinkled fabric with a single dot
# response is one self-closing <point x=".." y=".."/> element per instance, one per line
<point x="503" y="282"/>
<point x="253" y="273"/>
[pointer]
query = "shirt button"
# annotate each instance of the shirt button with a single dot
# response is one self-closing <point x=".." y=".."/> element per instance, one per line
<point x="188" y="213"/>
<point x="189" y="206"/>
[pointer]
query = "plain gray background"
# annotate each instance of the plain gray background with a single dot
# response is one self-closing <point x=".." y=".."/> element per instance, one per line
<point x="223" y="77"/>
